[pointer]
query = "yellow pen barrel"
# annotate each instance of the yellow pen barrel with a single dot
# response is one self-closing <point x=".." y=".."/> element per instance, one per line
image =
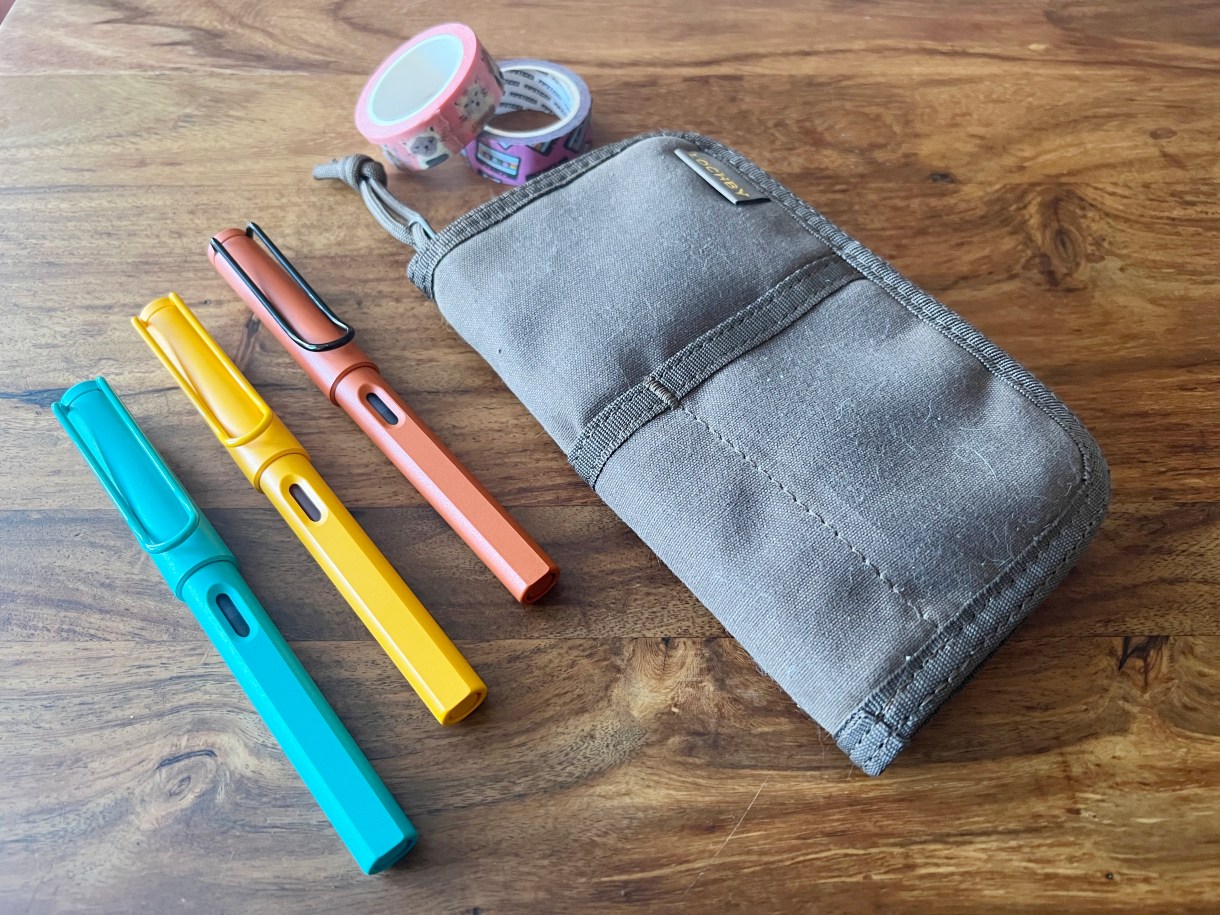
<point x="276" y="463"/>
<point x="408" y="633"/>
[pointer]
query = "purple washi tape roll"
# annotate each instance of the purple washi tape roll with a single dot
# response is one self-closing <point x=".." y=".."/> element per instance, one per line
<point x="513" y="156"/>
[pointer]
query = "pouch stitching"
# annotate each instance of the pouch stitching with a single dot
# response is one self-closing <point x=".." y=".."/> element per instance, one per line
<point x="859" y="739"/>
<point x="809" y="510"/>
<point x="895" y="731"/>
<point x="883" y="274"/>
<point x="949" y="633"/>
<point x="682" y="354"/>
<point x="891" y="739"/>
<point x="979" y="643"/>
<point x="677" y="364"/>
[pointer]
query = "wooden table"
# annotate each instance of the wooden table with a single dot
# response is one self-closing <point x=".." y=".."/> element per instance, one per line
<point x="1049" y="170"/>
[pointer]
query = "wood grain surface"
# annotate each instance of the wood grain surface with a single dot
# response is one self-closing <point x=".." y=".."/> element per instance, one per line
<point x="1050" y="170"/>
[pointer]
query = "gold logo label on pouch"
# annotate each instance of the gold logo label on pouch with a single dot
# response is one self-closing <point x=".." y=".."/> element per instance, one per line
<point x="730" y="185"/>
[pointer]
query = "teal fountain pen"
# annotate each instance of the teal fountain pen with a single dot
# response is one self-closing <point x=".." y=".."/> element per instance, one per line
<point x="202" y="573"/>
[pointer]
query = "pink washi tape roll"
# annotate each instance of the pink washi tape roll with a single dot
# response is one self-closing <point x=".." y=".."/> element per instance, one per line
<point x="513" y="156"/>
<point x="430" y="98"/>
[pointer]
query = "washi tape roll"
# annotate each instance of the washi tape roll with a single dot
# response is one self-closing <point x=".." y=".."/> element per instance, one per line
<point x="513" y="156"/>
<point x="430" y="98"/>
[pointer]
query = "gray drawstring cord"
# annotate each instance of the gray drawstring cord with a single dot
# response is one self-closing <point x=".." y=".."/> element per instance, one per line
<point x="367" y="176"/>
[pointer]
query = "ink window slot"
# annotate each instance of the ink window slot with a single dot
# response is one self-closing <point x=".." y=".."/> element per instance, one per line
<point x="232" y="615"/>
<point x="383" y="410"/>
<point x="312" y="512"/>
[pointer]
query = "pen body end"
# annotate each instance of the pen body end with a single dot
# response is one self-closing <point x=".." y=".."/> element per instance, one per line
<point x="534" y="578"/>
<point x="375" y="863"/>
<point x="453" y="712"/>
<point x="418" y="453"/>
<point x="357" y="802"/>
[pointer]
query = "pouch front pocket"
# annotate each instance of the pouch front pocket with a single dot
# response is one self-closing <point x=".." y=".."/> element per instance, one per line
<point x="840" y="490"/>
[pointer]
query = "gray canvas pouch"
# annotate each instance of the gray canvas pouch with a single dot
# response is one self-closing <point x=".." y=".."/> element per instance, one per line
<point x="864" y="490"/>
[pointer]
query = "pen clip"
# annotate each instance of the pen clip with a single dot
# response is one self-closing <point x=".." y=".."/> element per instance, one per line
<point x="94" y="455"/>
<point x="346" y="331"/>
<point x="222" y="361"/>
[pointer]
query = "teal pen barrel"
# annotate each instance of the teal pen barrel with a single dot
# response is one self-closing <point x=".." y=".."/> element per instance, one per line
<point x="350" y="793"/>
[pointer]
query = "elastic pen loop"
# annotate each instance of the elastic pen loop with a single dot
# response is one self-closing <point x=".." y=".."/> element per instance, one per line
<point x="209" y="417"/>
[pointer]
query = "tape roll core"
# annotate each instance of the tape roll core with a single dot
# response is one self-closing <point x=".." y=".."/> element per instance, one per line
<point x="415" y="80"/>
<point x="430" y="98"/>
<point x="514" y="156"/>
<point x="549" y="92"/>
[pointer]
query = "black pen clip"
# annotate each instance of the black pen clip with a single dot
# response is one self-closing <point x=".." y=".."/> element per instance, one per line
<point x="347" y="332"/>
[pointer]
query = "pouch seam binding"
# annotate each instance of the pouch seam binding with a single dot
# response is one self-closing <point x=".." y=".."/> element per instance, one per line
<point x="867" y="720"/>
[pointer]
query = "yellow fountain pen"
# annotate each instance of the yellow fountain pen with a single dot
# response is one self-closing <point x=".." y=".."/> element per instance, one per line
<point x="279" y="467"/>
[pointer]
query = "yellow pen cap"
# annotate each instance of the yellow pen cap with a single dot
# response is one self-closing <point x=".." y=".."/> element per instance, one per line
<point x="228" y="403"/>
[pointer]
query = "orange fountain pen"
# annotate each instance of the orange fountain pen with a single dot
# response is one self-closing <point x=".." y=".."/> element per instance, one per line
<point x="321" y="343"/>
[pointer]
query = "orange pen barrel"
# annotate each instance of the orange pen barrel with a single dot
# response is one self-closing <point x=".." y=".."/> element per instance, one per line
<point x="316" y="341"/>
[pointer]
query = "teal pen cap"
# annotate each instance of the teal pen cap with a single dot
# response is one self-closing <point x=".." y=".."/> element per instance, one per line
<point x="202" y="572"/>
<point x="157" y="508"/>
